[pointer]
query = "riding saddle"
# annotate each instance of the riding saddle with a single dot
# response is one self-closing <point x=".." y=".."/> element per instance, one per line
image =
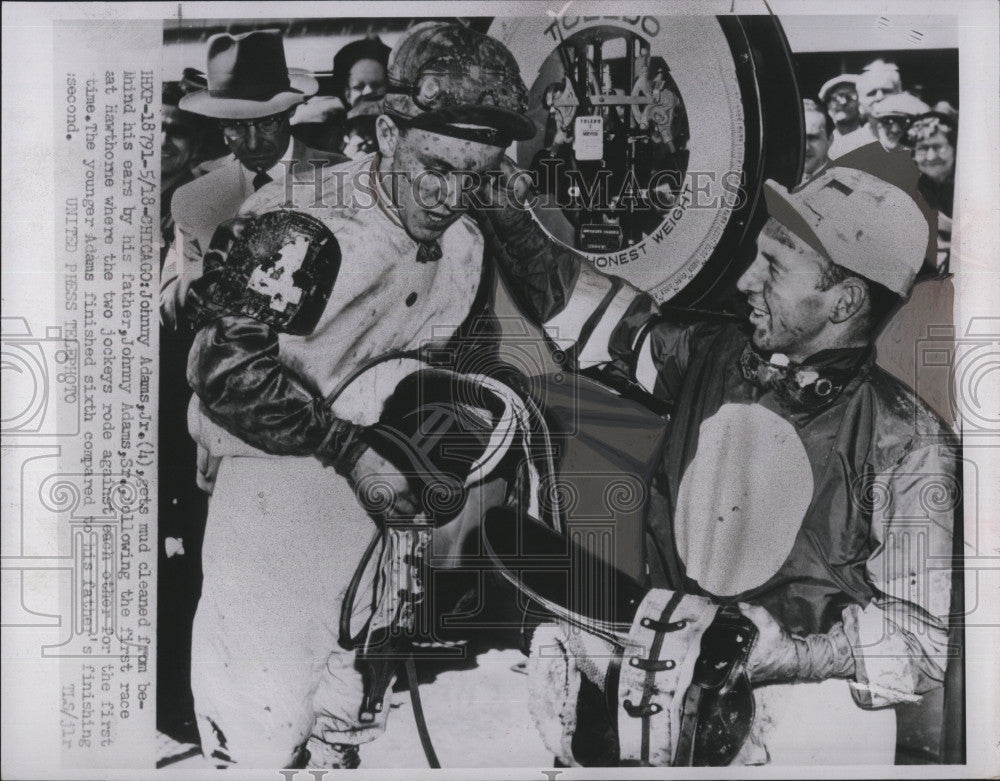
<point x="670" y="666"/>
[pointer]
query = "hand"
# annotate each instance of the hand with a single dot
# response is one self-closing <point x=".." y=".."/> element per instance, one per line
<point x="780" y="656"/>
<point x="383" y="491"/>
<point x="507" y="195"/>
<point x="773" y="657"/>
<point x="517" y="184"/>
<point x="199" y="300"/>
<point x="199" y="307"/>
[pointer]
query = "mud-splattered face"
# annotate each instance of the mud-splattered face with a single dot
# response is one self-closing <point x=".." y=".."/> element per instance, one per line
<point x="783" y="287"/>
<point x="429" y="176"/>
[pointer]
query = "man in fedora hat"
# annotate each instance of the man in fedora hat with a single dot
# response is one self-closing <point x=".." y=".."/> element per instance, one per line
<point x="287" y="527"/>
<point x="252" y="95"/>
<point x="796" y="477"/>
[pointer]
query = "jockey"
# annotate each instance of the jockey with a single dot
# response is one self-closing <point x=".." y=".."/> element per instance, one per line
<point x="797" y="477"/>
<point x="378" y="257"/>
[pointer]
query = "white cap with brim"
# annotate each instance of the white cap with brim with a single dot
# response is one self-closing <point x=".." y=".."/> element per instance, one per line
<point x="858" y="221"/>
<point x="902" y="104"/>
<point x="843" y="78"/>
<point x="248" y="78"/>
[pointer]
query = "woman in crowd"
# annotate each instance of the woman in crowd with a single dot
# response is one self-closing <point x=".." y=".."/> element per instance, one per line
<point x="341" y="118"/>
<point x="933" y="139"/>
<point x="359" y="71"/>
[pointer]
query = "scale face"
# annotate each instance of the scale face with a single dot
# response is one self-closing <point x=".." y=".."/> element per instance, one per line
<point x="648" y="158"/>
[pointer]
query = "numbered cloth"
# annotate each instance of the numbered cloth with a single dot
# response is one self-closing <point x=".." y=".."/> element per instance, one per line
<point x="199" y="206"/>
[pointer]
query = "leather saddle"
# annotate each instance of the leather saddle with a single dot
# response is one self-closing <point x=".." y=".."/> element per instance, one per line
<point x="674" y="684"/>
<point x="446" y="432"/>
<point x="559" y="576"/>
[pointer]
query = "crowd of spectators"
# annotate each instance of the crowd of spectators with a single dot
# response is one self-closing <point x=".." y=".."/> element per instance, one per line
<point x="877" y="105"/>
<point x="339" y="118"/>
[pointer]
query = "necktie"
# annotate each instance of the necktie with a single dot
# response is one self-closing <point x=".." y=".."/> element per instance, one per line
<point x="428" y="252"/>
<point x="260" y="180"/>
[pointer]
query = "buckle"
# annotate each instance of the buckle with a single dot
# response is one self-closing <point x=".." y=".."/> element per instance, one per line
<point x="662" y="626"/>
<point x="641" y="711"/>
<point x="652" y="665"/>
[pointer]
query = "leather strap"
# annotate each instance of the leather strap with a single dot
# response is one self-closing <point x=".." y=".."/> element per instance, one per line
<point x="333" y="395"/>
<point x="418" y="713"/>
<point x="346" y="640"/>
<point x="646" y="707"/>
<point x="611" y="682"/>
<point x="662" y="655"/>
<point x="684" y="753"/>
<point x="591" y="323"/>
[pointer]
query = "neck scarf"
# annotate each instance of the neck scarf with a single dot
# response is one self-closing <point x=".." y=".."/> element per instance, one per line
<point x="813" y="384"/>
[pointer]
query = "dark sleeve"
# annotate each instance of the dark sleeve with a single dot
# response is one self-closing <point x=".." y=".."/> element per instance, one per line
<point x="539" y="272"/>
<point x="652" y="354"/>
<point x="234" y="369"/>
<point x="542" y="275"/>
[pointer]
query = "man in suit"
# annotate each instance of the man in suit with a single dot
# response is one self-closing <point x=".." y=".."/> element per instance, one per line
<point x="819" y="138"/>
<point x="252" y="95"/>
